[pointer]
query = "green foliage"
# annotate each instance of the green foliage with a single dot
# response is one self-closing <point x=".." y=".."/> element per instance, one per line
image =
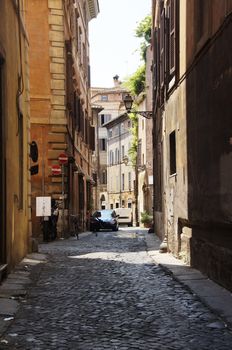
<point x="146" y="218"/>
<point x="136" y="82"/>
<point x="134" y="145"/>
<point x="144" y="31"/>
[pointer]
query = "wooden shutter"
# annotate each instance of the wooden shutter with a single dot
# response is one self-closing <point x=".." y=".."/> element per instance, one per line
<point x="77" y="113"/>
<point x="172" y="37"/>
<point x="92" y="138"/>
<point x="69" y="75"/>
<point x="155" y="64"/>
<point x="86" y="129"/>
<point x="162" y="48"/>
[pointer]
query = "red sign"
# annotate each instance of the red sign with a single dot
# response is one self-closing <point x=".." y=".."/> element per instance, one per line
<point x="63" y="158"/>
<point x="56" y="169"/>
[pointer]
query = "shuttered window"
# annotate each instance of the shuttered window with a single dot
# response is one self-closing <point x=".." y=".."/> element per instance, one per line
<point x="172" y="36"/>
<point x="162" y="48"/>
<point x="92" y="137"/>
<point x="156" y="63"/>
<point x="77" y="113"/>
<point x="69" y="77"/>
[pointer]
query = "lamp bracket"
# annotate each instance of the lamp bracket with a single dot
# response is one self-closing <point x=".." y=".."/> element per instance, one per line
<point x="145" y="114"/>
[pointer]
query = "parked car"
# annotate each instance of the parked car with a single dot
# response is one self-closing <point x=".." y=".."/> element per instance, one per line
<point x="125" y="216"/>
<point x="104" y="220"/>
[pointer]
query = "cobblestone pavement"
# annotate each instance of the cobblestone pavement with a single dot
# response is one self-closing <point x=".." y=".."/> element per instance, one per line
<point x="104" y="292"/>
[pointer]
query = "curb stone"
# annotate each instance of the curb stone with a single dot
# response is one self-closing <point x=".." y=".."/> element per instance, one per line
<point x="215" y="297"/>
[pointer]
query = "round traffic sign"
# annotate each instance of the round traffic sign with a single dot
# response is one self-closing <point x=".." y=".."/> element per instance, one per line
<point x="63" y="158"/>
<point x="56" y="169"/>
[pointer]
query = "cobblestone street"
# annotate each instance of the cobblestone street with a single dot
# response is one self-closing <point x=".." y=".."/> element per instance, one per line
<point x="105" y="292"/>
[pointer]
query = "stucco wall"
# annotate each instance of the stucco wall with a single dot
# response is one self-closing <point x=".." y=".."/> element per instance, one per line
<point x="17" y="211"/>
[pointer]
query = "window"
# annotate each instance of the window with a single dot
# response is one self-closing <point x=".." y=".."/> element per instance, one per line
<point x="123" y="182"/>
<point x="116" y="156"/>
<point x="102" y="144"/>
<point x="104" y="98"/>
<point x="129" y="205"/>
<point x="172" y="39"/>
<point x="172" y="148"/>
<point x="116" y="130"/>
<point x="107" y="117"/>
<point x="117" y="205"/>
<point x="156" y="62"/>
<point x="111" y="158"/>
<point x="129" y="181"/>
<point x="111" y="206"/>
<point x="123" y="152"/>
<point x="110" y="133"/>
<point x="123" y="203"/>
<point x="104" y="177"/>
<point x="104" y="118"/>
<point x="162" y="49"/>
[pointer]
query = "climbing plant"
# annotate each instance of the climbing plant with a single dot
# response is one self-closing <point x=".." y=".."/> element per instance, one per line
<point x="136" y="82"/>
<point x="134" y="144"/>
<point x="143" y="31"/>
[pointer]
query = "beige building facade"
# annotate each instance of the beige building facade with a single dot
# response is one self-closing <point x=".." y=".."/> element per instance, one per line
<point x="15" y="162"/>
<point x="191" y="138"/>
<point x="121" y="173"/>
<point x="109" y="101"/>
<point x="61" y="116"/>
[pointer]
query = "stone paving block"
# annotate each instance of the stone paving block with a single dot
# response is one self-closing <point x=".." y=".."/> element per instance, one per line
<point x="10" y="284"/>
<point x="18" y="279"/>
<point x="3" y="325"/>
<point x="10" y="291"/>
<point x="106" y="292"/>
<point x="8" y="306"/>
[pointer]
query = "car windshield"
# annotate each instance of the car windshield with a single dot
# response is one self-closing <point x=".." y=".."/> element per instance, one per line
<point x="106" y="214"/>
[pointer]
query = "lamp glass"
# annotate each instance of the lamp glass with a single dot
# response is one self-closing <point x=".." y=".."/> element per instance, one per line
<point x="128" y="101"/>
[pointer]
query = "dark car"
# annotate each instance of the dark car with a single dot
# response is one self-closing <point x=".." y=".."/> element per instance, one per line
<point x="104" y="220"/>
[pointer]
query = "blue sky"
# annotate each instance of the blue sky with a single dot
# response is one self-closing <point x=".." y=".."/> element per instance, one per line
<point x="114" y="49"/>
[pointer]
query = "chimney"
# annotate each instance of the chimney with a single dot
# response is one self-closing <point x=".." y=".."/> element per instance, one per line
<point x="116" y="81"/>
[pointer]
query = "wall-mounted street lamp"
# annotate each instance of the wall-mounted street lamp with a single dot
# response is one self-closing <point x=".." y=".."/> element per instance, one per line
<point x="128" y="102"/>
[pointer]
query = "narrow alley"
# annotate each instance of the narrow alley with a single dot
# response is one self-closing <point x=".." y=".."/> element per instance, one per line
<point x="104" y="291"/>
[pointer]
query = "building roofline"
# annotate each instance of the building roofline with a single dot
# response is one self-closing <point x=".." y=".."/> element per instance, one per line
<point x="116" y="120"/>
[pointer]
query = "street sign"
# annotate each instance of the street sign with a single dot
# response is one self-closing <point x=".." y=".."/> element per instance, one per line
<point x="43" y="206"/>
<point x="63" y="158"/>
<point x="56" y="169"/>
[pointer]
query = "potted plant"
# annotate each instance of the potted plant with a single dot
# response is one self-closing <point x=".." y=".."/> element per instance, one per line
<point x="146" y="219"/>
